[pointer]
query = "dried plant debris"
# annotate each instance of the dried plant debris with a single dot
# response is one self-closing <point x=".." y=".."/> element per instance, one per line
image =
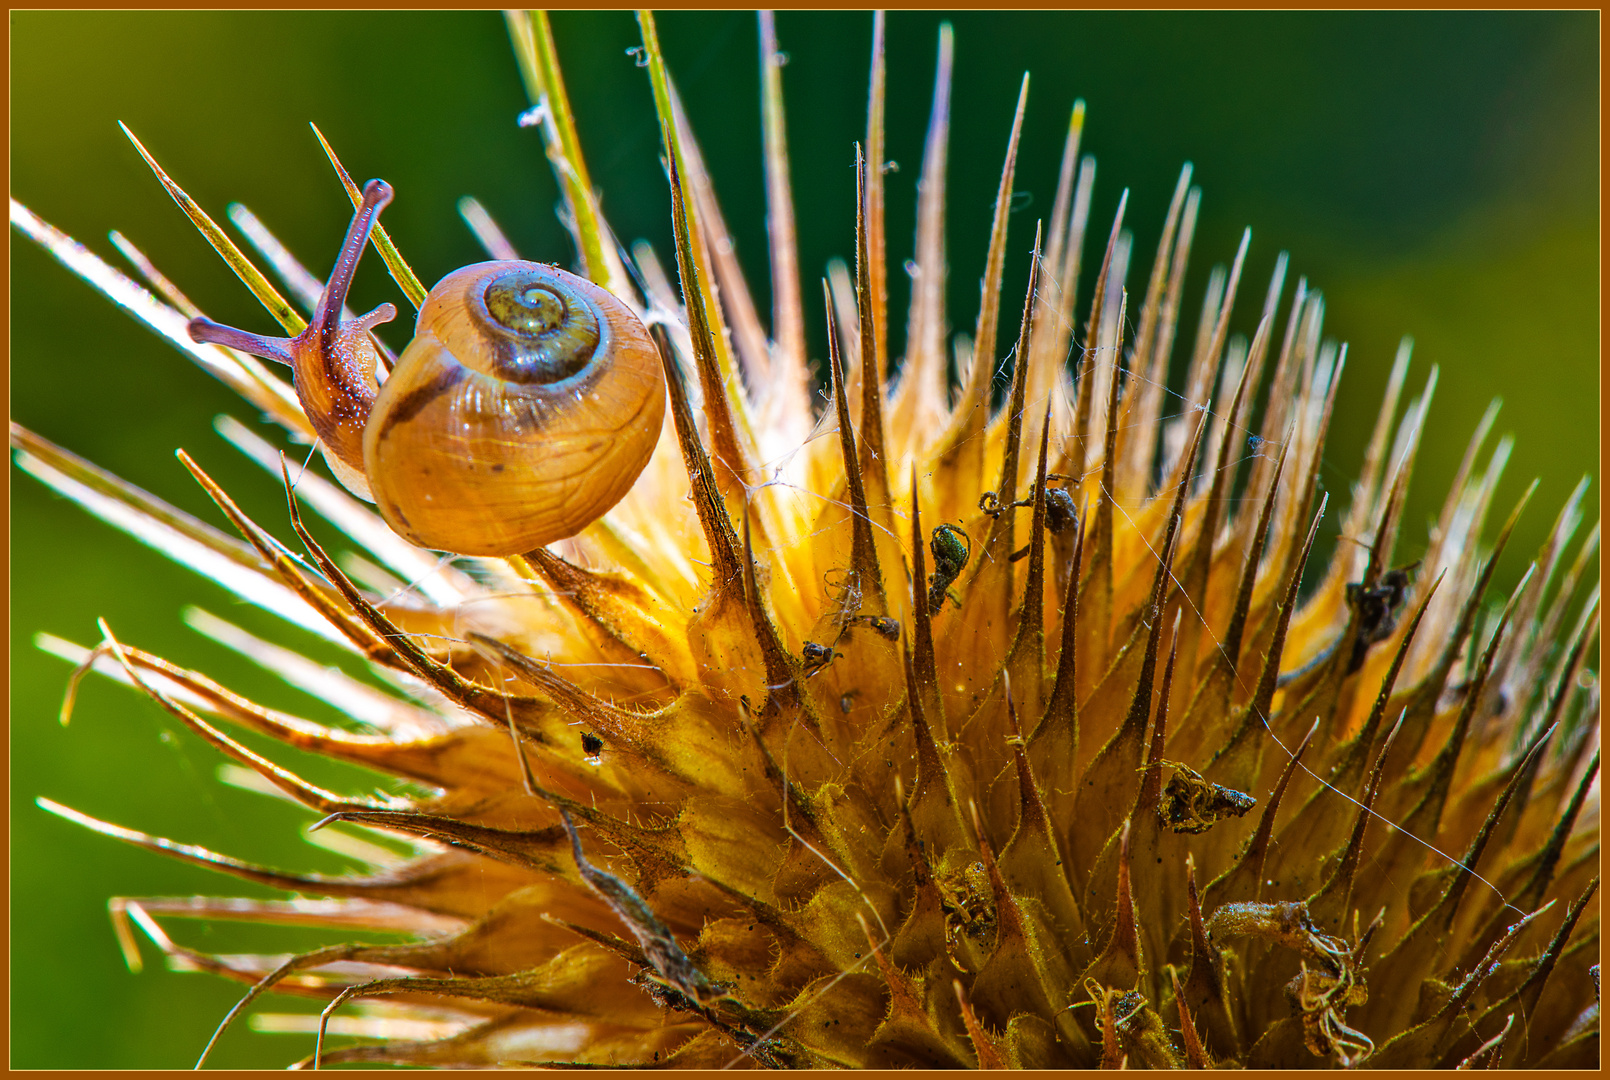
<point x="1191" y="804"/>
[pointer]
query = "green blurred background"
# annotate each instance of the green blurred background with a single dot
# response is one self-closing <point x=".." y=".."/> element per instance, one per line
<point x="1434" y="174"/>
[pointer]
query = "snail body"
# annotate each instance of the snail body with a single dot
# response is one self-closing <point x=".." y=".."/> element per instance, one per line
<point x="526" y="405"/>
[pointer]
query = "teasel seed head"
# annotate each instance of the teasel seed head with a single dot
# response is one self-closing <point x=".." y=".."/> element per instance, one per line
<point x="963" y="735"/>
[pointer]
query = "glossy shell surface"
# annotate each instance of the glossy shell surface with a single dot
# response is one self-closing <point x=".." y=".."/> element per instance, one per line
<point x="491" y="439"/>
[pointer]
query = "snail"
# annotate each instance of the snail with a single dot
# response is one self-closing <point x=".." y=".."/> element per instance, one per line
<point x="526" y="405"/>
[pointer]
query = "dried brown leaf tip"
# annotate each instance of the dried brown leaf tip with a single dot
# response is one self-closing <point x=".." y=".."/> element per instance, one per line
<point x="773" y="765"/>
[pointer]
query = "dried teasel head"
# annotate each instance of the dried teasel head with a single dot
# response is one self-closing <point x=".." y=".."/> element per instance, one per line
<point x="967" y="735"/>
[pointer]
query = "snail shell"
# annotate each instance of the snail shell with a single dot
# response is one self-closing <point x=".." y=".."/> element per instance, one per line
<point x="524" y="408"/>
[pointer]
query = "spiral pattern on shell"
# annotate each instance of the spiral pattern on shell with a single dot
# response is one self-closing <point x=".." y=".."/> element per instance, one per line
<point x="524" y="408"/>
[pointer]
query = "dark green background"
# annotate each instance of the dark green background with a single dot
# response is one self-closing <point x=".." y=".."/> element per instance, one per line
<point x="1434" y="174"/>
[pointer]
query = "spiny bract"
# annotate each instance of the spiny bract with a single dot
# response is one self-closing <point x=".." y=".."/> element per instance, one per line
<point x="953" y="735"/>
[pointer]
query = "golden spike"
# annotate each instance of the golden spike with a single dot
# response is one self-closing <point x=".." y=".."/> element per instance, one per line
<point x="729" y="574"/>
<point x="989" y="1057"/>
<point x="1299" y="505"/>
<point x="1195" y="1056"/>
<point x="909" y="1023"/>
<point x="1563" y="689"/>
<point x="1068" y="288"/>
<point x="1054" y="742"/>
<point x="716" y="523"/>
<point x="1210" y="355"/>
<point x="873" y="317"/>
<point x="730" y="419"/>
<point x="1168" y="318"/>
<point x="1271" y="299"/>
<point x="532" y="35"/>
<point x="1152" y="850"/>
<point x="1566" y="591"/>
<point x="491" y="237"/>
<point x="788" y="315"/>
<point x="1546" y="859"/>
<point x="286" y="567"/>
<point x="308" y="794"/>
<point x="1411" y="959"/>
<point x="872" y="212"/>
<point x="1277" y="418"/>
<point x="249" y="275"/>
<point x="1046" y="349"/>
<point x="489" y="703"/>
<point x="1087" y="367"/>
<point x="531" y="850"/>
<point x="1329" y="905"/>
<point x="1424" y="695"/>
<point x="863" y="551"/>
<point x="316" y="958"/>
<point x="735" y="467"/>
<point x="1122" y="962"/>
<point x="1245" y="880"/>
<point x="920" y="398"/>
<point x="1465" y="869"/>
<point x="1105" y="785"/>
<point x="1001" y="533"/>
<point x="724" y="401"/>
<point x="1421" y="1046"/>
<point x="1097" y="633"/>
<point x="1026" y="658"/>
<point x="1243" y="751"/>
<point x="1386" y="531"/>
<point x="1026" y="966"/>
<point x="962" y="446"/>
<point x="659" y="946"/>
<point x="438" y="760"/>
<point x="1252" y="370"/>
<point x="1492" y="1049"/>
<point x="1149" y="361"/>
<point x="1062" y="205"/>
<point x="1033" y="861"/>
<point x="619" y="609"/>
<point x="1517" y="668"/>
<point x="1206" y="987"/>
<point x="922" y="653"/>
<point x="1102" y="536"/>
<point x="934" y="809"/>
<point x="1457" y="490"/>
<point x="921" y="938"/>
<point x="1313" y="819"/>
<point x="1230" y="648"/>
<point x="36" y="450"/>
<point x="1364" y="491"/>
<point x="1150" y="792"/>
<point x="1062" y="704"/>
<point x="716" y="245"/>
<point x="1524" y="998"/>
<point x="1198" y="566"/>
<point x="452" y="885"/>
<point x="1350" y="649"/>
<point x="639" y="733"/>
<point x="783" y="670"/>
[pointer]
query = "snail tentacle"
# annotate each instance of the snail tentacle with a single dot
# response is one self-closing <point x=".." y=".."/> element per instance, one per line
<point x="326" y="321"/>
<point x="332" y="362"/>
<point x="204" y="331"/>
